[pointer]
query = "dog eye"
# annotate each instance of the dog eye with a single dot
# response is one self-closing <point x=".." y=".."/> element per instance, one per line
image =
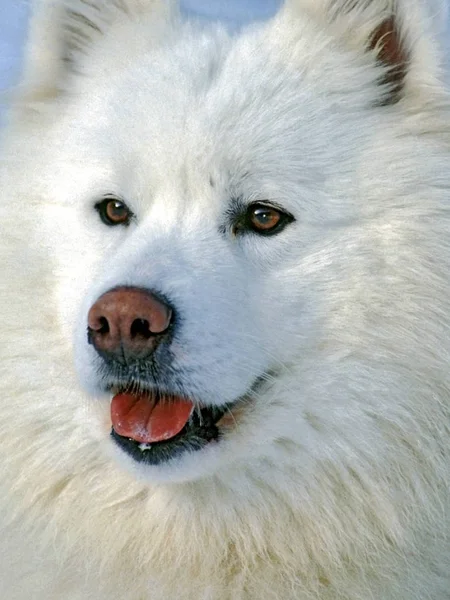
<point x="265" y="219"/>
<point x="114" y="212"/>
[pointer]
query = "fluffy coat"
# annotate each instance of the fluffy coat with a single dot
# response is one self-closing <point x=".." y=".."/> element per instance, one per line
<point x="333" y="482"/>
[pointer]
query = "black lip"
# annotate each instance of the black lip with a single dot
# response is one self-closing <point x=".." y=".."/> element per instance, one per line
<point x="200" y="430"/>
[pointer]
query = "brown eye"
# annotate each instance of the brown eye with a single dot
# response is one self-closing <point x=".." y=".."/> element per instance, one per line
<point x="267" y="220"/>
<point x="114" y="212"/>
<point x="264" y="218"/>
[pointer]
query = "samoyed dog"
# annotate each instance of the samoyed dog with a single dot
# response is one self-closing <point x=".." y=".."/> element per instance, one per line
<point x="225" y="306"/>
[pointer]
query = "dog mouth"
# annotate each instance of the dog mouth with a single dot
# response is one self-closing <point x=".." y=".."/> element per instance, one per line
<point x="154" y="427"/>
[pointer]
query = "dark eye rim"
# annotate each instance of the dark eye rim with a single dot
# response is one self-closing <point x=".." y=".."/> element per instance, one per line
<point x="244" y="224"/>
<point x="101" y="207"/>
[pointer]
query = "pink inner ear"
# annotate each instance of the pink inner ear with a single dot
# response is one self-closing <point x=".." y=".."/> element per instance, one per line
<point x="392" y="53"/>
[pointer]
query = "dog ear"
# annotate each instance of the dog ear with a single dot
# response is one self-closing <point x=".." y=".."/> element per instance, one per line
<point x="401" y="35"/>
<point x="62" y="32"/>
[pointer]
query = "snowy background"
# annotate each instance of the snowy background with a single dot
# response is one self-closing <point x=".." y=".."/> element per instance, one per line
<point x="13" y="19"/>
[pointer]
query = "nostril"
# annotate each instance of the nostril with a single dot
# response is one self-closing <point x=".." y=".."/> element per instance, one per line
<point x="103" y="326"/>
<point x="98" y="324"/>
<point x="140" y="328"/>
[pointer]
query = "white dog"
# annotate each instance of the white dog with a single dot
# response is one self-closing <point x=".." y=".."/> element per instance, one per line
<point x="225" y="306"/>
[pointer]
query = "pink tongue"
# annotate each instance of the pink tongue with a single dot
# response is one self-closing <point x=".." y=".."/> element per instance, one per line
<point x="144" y="420"/>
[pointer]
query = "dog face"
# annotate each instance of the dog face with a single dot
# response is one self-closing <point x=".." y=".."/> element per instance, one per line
<point x="215" y="226"/>
<point x="213" y="221"/>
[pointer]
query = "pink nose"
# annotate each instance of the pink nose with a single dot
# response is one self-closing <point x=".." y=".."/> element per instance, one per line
<point x="128" y="320"/>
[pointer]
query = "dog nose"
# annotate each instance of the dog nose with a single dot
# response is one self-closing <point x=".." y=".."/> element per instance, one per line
<point x="128" y="322"/>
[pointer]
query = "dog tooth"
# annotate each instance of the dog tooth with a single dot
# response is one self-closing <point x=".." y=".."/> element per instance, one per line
<point x="143" y="447"/>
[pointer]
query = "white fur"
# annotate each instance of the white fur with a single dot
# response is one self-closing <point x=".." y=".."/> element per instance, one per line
<point x="334" y="482"/>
